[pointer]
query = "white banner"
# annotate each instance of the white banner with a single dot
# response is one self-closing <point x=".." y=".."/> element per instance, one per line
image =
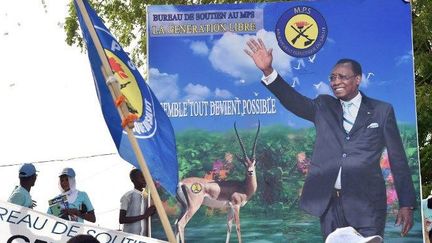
<point x="19" y="224"/>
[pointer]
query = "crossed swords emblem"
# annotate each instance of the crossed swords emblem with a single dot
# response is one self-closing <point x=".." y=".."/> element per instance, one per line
<point x="301" y="33"/>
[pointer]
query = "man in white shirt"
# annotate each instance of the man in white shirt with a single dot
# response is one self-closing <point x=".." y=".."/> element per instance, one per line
<point x="134" y="210"/>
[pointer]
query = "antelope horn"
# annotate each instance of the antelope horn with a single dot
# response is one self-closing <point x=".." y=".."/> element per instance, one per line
<point x="240" y="141"/>
<point x="255" y="141"/>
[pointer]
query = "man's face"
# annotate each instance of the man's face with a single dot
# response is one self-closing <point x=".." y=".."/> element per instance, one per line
<point x="344" y="82"/>
<point x="34" y="177"/>
<point x="139" y="180"/>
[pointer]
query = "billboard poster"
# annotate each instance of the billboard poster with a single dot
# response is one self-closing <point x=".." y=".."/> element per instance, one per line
<point x="248" y="152"/>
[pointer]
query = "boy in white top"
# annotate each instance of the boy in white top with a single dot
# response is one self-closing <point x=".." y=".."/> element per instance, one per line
<point x="133" y="206"/>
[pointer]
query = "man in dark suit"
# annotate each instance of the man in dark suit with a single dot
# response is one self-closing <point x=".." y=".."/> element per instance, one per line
<point x="345" y="186"/>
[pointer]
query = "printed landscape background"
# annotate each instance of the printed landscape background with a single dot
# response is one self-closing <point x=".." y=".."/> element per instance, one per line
<point x="125" y="17"/>
<point x="214" y="68"/>
<point x="55" y="150"/>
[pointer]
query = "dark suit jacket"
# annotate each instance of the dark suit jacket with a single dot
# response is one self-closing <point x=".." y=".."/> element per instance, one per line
<point x="359" y="152"/>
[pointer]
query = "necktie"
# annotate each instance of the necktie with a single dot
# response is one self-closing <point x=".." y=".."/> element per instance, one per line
<point x="348" y="118"/>
<point x="348" y="122"/>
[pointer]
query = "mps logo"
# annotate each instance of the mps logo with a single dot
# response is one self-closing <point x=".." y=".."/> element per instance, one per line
<point x="301" y="31"/>
<point x="196" y="187"/>
<point x="145" y="125"/>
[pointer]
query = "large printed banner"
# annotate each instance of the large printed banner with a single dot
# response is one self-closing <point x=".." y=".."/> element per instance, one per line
<point x="20" y="224"/>
<point x="206" y="83"/>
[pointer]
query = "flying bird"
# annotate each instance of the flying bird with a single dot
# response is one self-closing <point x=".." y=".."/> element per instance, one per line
<point x="370" y="74"/>
<point x="298" y="66"/>
<point x="295" y="82"/>
<point x="256" y="93"/>
<point x="312" y="59"/>
<point x="318" y="85"/>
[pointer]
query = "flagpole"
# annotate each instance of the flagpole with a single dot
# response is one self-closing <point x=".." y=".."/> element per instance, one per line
<point x="123" y="112"/>
<point x="149" y="226"/>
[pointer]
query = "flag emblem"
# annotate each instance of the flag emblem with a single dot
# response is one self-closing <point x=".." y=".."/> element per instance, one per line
<point x="152" y="128"/>
<point x="128" y="83"/>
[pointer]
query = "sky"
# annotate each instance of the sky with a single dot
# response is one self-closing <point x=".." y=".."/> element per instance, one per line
<point x="50" y="111"/>
<point x="218" y="69"/>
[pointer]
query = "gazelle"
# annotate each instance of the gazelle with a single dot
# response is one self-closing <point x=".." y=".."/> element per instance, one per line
<point x="193" y="192"/>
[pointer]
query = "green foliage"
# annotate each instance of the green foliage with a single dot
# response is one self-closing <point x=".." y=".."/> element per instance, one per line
<point x="126" y="19"/>
<point x="279" y="181"/>
<point x="424" y="118"/>
<point x="422" y="34"/>
<point x="197" y="150"/>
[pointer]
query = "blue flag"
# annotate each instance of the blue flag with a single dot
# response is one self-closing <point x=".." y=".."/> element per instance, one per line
<point x="153" y="129"/>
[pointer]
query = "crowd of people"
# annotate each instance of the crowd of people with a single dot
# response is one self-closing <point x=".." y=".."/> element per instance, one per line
<point x="75" y="205"/>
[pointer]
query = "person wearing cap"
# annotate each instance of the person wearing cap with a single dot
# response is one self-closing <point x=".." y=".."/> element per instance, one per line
<point x="134" y="211"/>
<point x="79" y="206"/>
<point x="21" y="194"/>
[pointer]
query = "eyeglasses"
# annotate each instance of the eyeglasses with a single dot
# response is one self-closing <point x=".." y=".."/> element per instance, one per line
<point x="333" y="78"/>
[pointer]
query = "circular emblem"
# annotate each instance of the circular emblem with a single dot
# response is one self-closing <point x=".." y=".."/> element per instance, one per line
<point x="138" y="98"/>
<point x="196" y="187"/>
<point x="128" y="84"/>
<point x="301" y="31"/>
